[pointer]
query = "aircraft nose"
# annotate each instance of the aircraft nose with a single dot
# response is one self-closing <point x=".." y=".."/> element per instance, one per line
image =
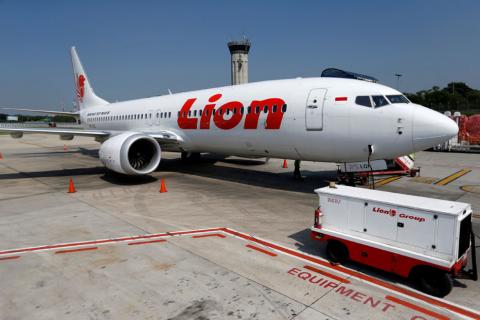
<point x="431" y="128"/>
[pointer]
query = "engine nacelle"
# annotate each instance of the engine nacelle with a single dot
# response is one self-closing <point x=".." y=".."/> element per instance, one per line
<point x="130" y="153"/>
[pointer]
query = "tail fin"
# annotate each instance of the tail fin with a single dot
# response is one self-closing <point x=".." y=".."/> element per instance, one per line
<point x="85" y="95"/>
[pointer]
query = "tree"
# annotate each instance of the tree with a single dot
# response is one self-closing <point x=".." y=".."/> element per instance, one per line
<point x="456" y="96"/>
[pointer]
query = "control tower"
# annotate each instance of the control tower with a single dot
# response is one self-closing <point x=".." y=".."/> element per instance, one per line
<point x="239" y="56"/>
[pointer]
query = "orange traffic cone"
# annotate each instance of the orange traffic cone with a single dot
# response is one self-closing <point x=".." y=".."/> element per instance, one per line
<point x="284" y="164"/>
<point x="65" y="148"/>
<point x="71" y="187"/>
<point x="163" y="189"/>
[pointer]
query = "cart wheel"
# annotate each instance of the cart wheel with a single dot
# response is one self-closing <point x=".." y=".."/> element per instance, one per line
<point x="434" y="282"/>
<point x="337" y="252"/>
<point x="363" y="180"/>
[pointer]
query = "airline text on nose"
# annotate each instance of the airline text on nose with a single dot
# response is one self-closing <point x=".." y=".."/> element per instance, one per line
<point x="230" y="114"/>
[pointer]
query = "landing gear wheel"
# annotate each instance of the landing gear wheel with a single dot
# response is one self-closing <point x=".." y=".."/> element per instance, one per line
<point x="337" y="252"/>
<point x="434" y="282"/>
<point x="190" y="156"/>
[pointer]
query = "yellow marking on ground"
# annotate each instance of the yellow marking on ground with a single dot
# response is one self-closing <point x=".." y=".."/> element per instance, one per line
<point x="452" y="177"/>
<point x="471" y="188"/>
<point x="428" y="180"/>
<point x="386" y="180"/>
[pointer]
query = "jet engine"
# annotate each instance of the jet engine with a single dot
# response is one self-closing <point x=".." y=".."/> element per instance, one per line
<point x="130" y="153"/>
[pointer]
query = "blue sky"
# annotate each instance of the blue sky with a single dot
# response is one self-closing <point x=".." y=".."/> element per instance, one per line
<point x="133" y="49"/>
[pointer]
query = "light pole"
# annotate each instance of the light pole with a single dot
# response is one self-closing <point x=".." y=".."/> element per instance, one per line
<point x="398" y="75"/>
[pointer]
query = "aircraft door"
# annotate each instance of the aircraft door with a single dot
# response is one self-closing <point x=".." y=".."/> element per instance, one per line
<point x="314" y="109"/>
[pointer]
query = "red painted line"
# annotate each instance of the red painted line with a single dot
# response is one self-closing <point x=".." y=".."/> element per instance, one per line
<point x="417" y="308"/>
<point x="327" y="274"/>
<point x="145" y="242"/>
<point x="341" y="99"/>
<point x="261" y="250"/>
<point x="103" y="241"/>
<point x="76" y="250"/>
<point x="442" y="304"/>
<point x="10" y="258"/>
<point x="210" y="235"/>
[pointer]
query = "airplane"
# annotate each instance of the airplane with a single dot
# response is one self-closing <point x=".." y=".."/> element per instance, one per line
<point x="323" y="119"/>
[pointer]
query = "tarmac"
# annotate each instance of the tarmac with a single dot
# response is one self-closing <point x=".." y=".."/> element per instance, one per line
<point x="229" y="240"/>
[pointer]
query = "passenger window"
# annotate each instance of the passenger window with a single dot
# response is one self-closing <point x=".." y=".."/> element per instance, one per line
<point x="242" y="110"/>
<point x="284" y="108"/>
<point x="257" y="109"/>
<point x="249" y="109"/>
<point x="199" y="112"/>
<point x="379" y="101"/>
<point x="169" y="114"/>
<point x="363" y="101"/>
<point x="265" y="109"/>
<point x="195" y="113"/>
<point x="274" y="108"/>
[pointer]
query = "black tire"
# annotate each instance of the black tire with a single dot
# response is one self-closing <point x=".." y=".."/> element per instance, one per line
<point x="337" y="252"/>
<point x="434" y="282"/>
<point x="190" y="156"/>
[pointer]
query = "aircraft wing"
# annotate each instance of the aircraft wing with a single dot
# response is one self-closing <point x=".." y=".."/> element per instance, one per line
<point x="64" y="132"/>
<point x="50" y="112"/>
<point x="162" y="136"/>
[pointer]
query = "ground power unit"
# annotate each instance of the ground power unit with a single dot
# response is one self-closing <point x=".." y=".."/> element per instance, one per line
<point x="424" y="239"/>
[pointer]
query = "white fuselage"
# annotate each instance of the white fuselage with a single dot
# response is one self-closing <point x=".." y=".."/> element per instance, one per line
<point x="321" y="121"/>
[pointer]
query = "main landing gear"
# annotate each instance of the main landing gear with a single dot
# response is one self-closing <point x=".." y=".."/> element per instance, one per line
<point x="296" y="172"/>
<point x="190" y="156"/>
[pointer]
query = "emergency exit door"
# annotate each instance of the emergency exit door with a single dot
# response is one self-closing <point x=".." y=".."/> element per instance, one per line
<point x="314" y="110"/>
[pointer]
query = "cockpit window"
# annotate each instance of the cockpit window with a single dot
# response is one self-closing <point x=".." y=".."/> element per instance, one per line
<point x="363" y="101"/>
<point x="379" y="101"/>
<point x="398" y="98"/>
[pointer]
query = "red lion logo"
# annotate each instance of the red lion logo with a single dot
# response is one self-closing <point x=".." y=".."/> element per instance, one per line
<point x="80" y="87"/>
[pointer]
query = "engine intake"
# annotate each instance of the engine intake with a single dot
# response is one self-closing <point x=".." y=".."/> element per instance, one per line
<point x="131" y="153"/>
